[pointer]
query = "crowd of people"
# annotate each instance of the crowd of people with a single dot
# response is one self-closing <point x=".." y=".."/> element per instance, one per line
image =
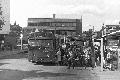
<point x="73" y="55"/>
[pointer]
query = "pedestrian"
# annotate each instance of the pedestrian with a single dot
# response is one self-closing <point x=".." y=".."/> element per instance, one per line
<point x="109" y="59"/>
<point x="63" y="52"/>
<point x="59" y="57"/>
<point x="70" y="56"/>
<point x="96" y="56"/>
<point x="86" y="58"/>
<point x="92" y="58"/>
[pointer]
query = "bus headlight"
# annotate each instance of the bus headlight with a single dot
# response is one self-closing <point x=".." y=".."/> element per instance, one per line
<point x="46" y="51"/>
<point x="48" y="55"/>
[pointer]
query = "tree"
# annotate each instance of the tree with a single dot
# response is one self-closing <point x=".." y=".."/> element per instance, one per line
<point x="11" y="40"/>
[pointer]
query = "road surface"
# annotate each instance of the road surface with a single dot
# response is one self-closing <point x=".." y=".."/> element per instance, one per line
<point x="17" y="67"/>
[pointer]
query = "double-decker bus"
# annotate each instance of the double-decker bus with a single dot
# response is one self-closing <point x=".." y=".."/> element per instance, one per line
<point x="42" y="47"/>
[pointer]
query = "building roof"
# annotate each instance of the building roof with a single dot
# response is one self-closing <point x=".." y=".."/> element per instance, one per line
<point x="51" y="20"/>
<point x="114" y="25"/>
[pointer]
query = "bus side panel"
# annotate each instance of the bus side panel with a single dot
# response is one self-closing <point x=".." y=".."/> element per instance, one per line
<point x="41" y="56"/>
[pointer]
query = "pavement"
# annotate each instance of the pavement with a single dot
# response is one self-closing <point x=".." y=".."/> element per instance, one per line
<point x="106" y="74"/>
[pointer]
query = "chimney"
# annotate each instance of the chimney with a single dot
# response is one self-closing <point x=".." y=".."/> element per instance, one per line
<point x="54" y="16"/>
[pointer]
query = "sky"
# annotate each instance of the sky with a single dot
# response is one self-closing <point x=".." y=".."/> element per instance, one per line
<point x="93" y="12"/>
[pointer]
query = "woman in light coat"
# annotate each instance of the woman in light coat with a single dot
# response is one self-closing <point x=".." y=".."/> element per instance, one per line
<point x="59" y="57"/>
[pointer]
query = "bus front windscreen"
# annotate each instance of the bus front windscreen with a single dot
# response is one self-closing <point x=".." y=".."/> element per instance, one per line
<point x="43" y="43"/>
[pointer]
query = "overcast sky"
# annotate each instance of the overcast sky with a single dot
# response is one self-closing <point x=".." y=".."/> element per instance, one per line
<point x="93" y="12"/>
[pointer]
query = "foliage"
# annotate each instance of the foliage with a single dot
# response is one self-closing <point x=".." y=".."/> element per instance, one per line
<point x="11" y="40"/>
<point x="87" y="35"/>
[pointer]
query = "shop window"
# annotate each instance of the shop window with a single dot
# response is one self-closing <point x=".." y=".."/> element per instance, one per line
<point x="43" y="24"/>
<point x="74" y="24"/>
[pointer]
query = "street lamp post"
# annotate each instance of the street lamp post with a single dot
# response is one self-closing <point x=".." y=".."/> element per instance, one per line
<point x="102" y="46"/>
<point x="21" y="36"/>
<point x="102" y="54"/>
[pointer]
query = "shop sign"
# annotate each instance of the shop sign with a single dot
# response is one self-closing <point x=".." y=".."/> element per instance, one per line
<point x="113" y="42"/>
<point x="113" y="48"/>
<point x="94" y="35"/>
<point x="112" y="28"/>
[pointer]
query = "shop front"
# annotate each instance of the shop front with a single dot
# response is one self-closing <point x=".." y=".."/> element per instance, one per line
<point x="111" y="54"/>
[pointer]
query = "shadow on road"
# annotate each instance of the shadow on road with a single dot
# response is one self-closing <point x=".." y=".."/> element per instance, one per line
<point x="3" y="64"/>
<point x="45" y="64"/>
<point x="14" y="56"/>
<point x="50" y="74"/>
